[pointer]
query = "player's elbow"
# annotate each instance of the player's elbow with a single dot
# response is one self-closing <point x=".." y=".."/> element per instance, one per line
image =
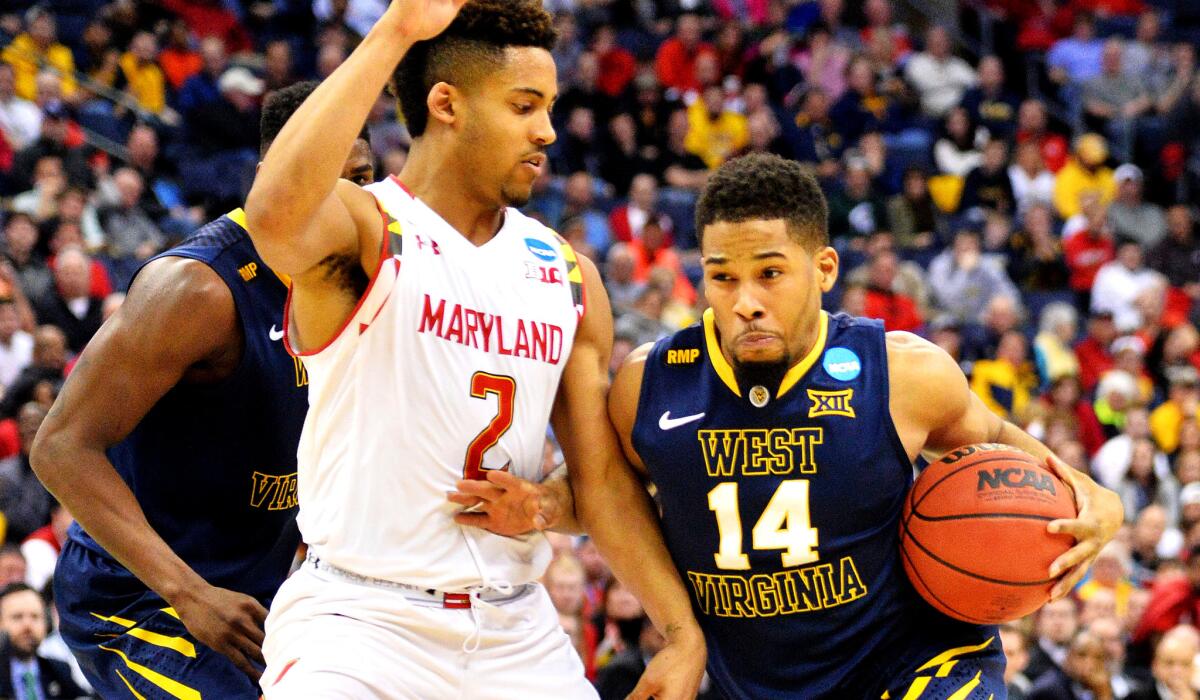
<point x="47" y="454"/>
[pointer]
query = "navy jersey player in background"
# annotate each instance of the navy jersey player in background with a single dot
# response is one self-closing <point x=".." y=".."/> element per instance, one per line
<point x="174" y="445"/>
<point x="782" y="441"/>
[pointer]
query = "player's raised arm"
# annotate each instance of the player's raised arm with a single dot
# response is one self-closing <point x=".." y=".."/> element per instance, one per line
<point x="177" y="318"/>
<point x="613" y="506"/>
<point x="959" y="417"/>
<point x="296" y="211"/>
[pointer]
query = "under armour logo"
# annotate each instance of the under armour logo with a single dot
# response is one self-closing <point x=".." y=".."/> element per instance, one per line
<point x="432" y="244"/>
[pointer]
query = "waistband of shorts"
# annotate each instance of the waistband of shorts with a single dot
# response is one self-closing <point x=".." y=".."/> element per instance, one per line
<point x="451" y="600"/>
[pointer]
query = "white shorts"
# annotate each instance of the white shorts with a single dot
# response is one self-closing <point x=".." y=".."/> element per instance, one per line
<point x="328" y="637"/>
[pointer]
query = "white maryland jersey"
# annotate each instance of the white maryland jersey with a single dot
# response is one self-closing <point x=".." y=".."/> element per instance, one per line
<point x="448" y="366"/>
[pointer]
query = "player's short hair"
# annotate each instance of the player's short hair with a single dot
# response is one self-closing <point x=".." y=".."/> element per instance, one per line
<point x="766" y="187"/>
<point x="471" y="47"/>
<point x="280" y="105"/>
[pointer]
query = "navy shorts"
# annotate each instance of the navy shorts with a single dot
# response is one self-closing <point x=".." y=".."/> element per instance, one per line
<point x="960" y="673"/>
<point x="130" y="644"/>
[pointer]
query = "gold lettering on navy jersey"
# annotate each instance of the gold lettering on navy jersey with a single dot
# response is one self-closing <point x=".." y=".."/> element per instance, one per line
<point x="682" y="357"/>
<point x="301" y="372"/>
<point x="761" y="452"/>
<point x="798" y="590"/>
<point x="831" y="403"/>
<point x="273" y="492"/>
<point x="248" y="271"/>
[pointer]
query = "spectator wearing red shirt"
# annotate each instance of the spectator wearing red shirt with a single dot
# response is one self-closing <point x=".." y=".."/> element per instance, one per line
<point x="651" y="251"/>
<point x="1174" y="598"/>
<point x="897" y="311"/>
<point x="210" y="18"/>
<point x="1109" y="8"/>
<point x="1092" y="352"/>
<point x="1065" y="399"/>
<point x="1031" y="126"/>
<point x="1087" y="250"/>
<point x="675" y="62"/>
<point x="617" y="66"/>
<point x="626" y="221"/>
<point x="178" y="60"/>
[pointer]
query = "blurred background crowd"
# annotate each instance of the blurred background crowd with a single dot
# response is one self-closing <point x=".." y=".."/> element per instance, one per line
<point x="1014" y="179"/>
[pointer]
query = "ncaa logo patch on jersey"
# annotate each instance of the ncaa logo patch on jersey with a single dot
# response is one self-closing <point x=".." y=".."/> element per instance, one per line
<point x="842" y="363"/>
<point x="541" y="250"/>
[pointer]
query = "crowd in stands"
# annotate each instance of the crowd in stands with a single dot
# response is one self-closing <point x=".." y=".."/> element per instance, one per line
<point x="1015" y="180"/>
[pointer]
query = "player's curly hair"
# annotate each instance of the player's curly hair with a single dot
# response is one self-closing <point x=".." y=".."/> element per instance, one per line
<point x="765" y="186"/>
<point x="280" y="105"/>
<point x="470" y="47"/>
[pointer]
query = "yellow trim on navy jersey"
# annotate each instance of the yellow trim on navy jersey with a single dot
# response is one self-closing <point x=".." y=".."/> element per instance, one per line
<point x="965" y="692"/>
<point x="172" y="687"/>
<point x="950" y="654"/>
<point x="238" y="216"/>
<point x="794" y="375"/>
<point x="125" y="680"/>
<point x="715" y="356"/>
<point x="798" y="370"/>
<point x="177" y="644"/>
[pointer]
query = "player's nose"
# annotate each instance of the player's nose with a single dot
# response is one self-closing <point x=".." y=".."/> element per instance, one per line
<point x="747" y="306"/>
<point x="543" y="131"/>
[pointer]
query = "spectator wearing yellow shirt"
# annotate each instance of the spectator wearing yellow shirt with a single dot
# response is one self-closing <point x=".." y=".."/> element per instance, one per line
<point x="1085" y="172"/>
<point x="1005" y="383"/>
<point x="39" y="47"/>
<point x="715" y="133"/>
<point x="1167" y="420"/>
<point x="141" y="75"/>
<point x="1111" y="572"/>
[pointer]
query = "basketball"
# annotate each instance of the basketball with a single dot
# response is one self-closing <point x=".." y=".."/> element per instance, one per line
<point x="973" y="533"/>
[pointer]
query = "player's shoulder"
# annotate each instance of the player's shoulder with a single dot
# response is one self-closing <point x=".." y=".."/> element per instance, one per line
<point x="214" y="237"/>
<point x="681" y="351"/>
<point x="915" y="361"/>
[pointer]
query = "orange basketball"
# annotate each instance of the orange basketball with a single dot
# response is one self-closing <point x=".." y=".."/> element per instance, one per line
<point x="973" y="534"/>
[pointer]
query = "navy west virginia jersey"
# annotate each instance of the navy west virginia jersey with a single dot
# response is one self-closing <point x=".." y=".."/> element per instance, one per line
<point x="781" y="506"/>
<point x="214" y="468"/>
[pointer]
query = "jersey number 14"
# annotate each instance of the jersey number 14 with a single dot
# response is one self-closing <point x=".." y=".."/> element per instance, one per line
<point x="784" y="524"/>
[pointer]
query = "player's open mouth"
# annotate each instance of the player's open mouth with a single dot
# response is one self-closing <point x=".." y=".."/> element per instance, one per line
<point x="536" y="162"/>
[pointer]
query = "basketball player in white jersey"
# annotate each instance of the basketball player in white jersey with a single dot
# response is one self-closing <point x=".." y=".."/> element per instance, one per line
<point x="441" y="329"/>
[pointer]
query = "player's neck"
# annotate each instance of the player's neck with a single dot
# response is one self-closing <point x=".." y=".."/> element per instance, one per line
<point x="445" y="189"/>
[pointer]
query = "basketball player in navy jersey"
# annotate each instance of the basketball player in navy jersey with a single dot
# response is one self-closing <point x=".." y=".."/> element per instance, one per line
<point x="782" y="439"/>
<point x="174" y="445"/>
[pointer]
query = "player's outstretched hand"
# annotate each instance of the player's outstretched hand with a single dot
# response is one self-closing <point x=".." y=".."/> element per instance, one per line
<point x="228" y="622"/>
<point x="674" y="673"/>
<point x="1100" y="515"/>
<point x="417" y="20"/>
<point x="506" y="504"/>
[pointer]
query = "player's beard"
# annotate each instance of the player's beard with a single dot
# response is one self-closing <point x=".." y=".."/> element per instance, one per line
<point x="515" y="196"/>
<point x="767" y="374"/>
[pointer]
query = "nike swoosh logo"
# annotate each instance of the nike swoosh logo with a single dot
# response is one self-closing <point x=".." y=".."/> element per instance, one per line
<point x="666" y="422"/>
<point x="274" y="334"/>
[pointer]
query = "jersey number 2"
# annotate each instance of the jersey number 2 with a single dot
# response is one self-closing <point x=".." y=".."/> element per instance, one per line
<point x="784" y="524"/>
<point x="505" y="389"/>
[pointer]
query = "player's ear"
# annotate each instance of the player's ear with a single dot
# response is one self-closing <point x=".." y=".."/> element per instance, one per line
<point x="826" y="262"/>
<point x="441" y="102"/>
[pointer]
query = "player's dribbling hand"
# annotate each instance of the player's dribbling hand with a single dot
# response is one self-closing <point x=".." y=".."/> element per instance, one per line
<point x="416" y="20"/>
<point x="505" y="504"/>
<point x="228" y="622"/>
<point x="674" y="673"/>
<point x="1100" y="515"/>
